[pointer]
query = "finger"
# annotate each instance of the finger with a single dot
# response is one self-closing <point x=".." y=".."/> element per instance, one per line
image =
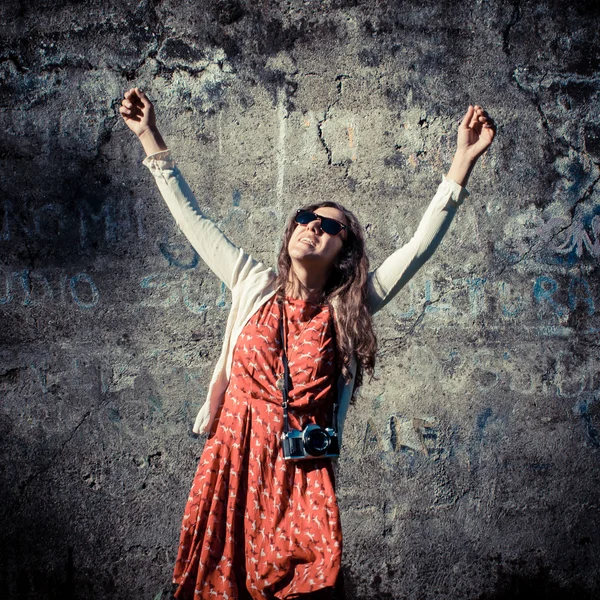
<point x="474" y="120"/>
<point x="132" y="102"/>
<point x="480" y="112"/>
<point x="131" y="111"/>
<point x="127" y="104"/>
<point x="485" y="119"/>
<point x="467" y="118"/>
<point x="133" y="95"/>
<point x="129" y="116"/>
<point x="143" y="97"/>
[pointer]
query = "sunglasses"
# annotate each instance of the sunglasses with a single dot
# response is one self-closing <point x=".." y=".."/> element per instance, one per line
<point x="328" y="225"/>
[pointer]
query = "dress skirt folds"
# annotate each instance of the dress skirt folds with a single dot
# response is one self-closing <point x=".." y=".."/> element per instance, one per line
<point x="255" y="525"/>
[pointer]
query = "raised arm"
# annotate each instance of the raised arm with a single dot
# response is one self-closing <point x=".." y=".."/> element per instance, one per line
<point x="475" y="134"/>
<point x="225" y="259"/>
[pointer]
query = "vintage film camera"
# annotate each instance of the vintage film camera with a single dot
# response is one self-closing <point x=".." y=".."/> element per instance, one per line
<point x="311" y="442"/>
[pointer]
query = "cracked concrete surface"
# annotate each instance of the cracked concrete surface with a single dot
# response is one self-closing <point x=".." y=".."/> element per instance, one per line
<point x="470" y="466"/>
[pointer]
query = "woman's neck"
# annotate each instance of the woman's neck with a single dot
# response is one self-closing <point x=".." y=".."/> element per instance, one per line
<point x="297" y="290"/>
<point x="305" y="288"/>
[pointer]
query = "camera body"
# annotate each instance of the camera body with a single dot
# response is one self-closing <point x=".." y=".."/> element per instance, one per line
<point x="311" y="442"/>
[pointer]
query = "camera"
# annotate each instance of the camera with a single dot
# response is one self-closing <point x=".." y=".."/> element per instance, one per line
<point x="311" y="442"/>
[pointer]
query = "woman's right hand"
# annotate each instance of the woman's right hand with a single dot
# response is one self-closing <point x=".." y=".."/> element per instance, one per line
<point x="138" y="113"/>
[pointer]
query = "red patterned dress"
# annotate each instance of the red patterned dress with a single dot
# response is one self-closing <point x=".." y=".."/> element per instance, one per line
<point x="257" y="526"/>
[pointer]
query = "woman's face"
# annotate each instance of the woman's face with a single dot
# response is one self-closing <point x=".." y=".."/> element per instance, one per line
<point x="310" y="244"/>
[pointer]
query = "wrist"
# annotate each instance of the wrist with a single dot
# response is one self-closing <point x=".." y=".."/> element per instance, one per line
<point x="152" y="140"/>
<point x="462" y="160"/>
<point x="461" y="168"/>
<point x="148" y="133"/>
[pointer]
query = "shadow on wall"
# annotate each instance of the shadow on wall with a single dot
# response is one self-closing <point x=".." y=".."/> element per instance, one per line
<point x="538" y="586"/>
<point x="36" y="584"/>
<point x="70" y="213"/>
<point x="510" y="586"/>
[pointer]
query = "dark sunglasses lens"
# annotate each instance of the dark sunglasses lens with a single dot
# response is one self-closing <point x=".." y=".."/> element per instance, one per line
<point x="304" y="217"/>
<point x="329" y="226"/>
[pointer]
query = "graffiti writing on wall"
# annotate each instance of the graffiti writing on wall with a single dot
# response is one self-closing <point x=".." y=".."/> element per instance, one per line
<point x="563" y="240"/>
<point x="159" y="290"/>
<point x="164" y="291"/>
<point x="546" y="302"/>
<point x="113" y="221"/>
<point x="30" y="288"/>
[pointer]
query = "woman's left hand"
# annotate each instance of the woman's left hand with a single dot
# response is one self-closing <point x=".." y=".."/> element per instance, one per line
<point x="475" y="133"/>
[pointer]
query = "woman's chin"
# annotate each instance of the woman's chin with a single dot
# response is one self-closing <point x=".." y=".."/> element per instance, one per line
<point x="301" y="252"/>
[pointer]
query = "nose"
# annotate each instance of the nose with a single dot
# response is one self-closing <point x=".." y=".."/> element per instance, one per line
<point x="315" y="226"/>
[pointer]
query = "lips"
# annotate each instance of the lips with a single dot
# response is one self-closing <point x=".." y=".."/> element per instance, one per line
<point x="308" y="240"/>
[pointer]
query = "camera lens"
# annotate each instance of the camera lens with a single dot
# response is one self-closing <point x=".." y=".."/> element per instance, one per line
<point x="316" y="440"/>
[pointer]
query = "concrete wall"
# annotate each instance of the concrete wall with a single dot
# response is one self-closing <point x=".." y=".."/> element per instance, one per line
<point x="470" y="467"/>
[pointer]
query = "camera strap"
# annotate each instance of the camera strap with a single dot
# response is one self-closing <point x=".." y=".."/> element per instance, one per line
<point x="283" y="383"/>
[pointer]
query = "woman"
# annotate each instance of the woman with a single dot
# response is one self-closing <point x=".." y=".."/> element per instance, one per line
<point x="262" y="519"/>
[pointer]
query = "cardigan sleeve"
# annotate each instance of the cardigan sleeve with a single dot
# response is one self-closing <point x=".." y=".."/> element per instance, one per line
<point x="223" y="257"/>
<point x="395" y="272"/>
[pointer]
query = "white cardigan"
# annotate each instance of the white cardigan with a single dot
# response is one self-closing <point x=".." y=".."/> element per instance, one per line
<point x="252" y="283"/>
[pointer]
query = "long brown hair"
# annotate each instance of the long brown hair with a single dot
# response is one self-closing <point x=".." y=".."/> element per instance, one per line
<point x="346" y="294"/>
